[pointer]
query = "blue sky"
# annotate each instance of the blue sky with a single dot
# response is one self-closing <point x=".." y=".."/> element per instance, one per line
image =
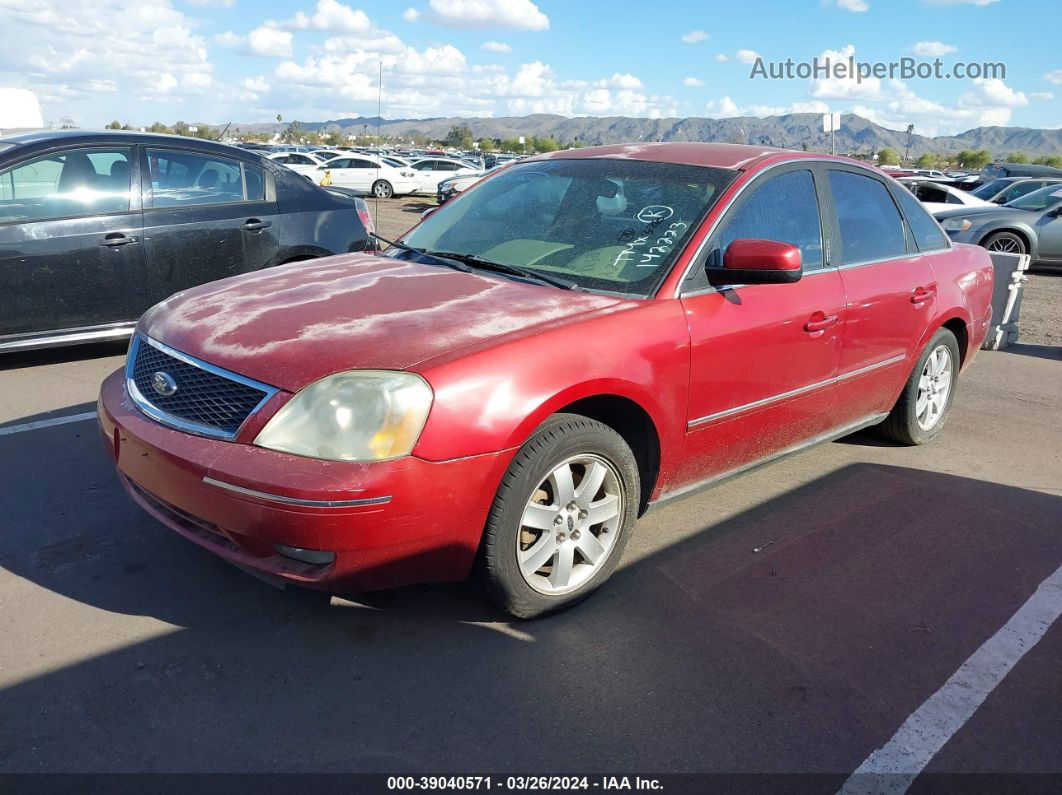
<point x="248" y="60"/>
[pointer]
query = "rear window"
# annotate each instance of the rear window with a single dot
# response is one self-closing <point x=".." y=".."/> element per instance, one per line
<point x="924" y="229"/>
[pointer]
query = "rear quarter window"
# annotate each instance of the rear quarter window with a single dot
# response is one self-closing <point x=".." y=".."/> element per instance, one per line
<point x="924" y="229"/>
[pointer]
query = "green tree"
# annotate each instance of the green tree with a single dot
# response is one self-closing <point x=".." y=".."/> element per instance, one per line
<point x="928" y="160"/>
<point x="974" y="159"/>
<point x="114" y="125"/>
<point x="1017" y="157"/>
<point x="887" y="156"/>
<point x="487" y="145"/>
<point x="459" y="137"/>
<point x="159" y="127"/>
<point x="510" y="145"/>
<point x="1055" y="161"/>
<point x="544" y="145"/>
<point x="294" y="133"/>
<point x="576" y="144"/>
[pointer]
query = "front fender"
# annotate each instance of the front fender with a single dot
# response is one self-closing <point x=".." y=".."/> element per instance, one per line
<point x="494" y="398"/>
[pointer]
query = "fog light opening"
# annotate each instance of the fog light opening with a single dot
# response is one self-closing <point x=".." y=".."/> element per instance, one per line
<point x="315" y="557"/>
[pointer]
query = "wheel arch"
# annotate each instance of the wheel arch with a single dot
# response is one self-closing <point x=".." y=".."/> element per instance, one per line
<point x="1026" y="236"/>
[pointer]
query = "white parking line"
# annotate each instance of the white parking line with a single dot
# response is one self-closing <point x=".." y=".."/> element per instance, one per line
<point x="893" y="767"/>
<point x="33" y="426"/>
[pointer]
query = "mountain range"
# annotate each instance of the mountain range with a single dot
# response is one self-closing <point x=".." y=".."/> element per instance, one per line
<point x="856" y="135"/>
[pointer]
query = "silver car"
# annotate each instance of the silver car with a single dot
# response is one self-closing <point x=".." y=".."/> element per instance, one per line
<point x="1029" y="225"/>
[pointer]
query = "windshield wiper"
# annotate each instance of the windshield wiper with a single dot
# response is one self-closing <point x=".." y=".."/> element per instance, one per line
<point x="447" y="261"/>
<point x="500" y="267"/>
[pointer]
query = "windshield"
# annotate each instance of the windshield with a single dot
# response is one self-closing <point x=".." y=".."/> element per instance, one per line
<point x="990" y="189"/>
<point x="604" y="223"/>
<point x="1038" y="199"/>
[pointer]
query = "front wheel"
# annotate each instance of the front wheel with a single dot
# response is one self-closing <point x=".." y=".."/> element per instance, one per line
<point x="1005" y="243"/>
<point x="923" y="406"/>
<point x="382" y="189"/>
<point x="561" y="517"/>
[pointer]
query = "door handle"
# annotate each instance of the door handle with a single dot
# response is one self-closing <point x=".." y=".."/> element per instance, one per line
<point x="115" y="239"/>
<point x="256" y="225"/>
<point x="821" y="323"/>
<point x="922" y="294"/>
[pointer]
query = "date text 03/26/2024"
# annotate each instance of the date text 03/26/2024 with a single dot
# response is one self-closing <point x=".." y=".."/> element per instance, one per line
<point x="519" y="783"/>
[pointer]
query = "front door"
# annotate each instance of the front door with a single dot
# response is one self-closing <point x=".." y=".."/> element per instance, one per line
<point x="71" y="248"/>
<point x="763" y="357"/>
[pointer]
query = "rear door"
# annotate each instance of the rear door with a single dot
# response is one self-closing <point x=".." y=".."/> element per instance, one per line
<point x="763" y="357"/>
<point x="206" y="217"/>
<point x="889" y="284"/>
<point x="71" y="247"/>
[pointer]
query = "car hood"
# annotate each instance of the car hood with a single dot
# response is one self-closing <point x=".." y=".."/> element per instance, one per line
<point x="291" y="325"/>
<point x="983" y="214"/>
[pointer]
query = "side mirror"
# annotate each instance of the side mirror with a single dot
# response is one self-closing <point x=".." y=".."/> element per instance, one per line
<point x="750" y="261"/>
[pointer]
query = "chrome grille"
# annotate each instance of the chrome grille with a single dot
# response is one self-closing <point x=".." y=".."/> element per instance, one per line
<point x="205" y="399"/>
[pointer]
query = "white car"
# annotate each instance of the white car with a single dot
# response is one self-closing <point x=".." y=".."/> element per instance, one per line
<point x="936" y="197"/>
<point x="371" y="174"/>
<point x="304" y="163"/>
<point x="433" y="170"/>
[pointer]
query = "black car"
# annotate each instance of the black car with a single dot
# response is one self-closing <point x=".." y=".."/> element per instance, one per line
<point x="95" y="227"/>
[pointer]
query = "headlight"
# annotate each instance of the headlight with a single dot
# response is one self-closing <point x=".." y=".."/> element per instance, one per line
<point x="956" y="224"/>
<point x="361" y="415"/>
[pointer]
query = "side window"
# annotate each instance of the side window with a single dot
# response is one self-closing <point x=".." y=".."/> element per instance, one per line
<point x="186" y="179"/>
<point x="1021" y="189"/>
<point x="783" y="208"/>
<point x="65" y="184"/>
<point x="927" y="234"/>
<point x="870" y="225"/>
<point x="339" y="162"/>
<point x="363" y="164"/>
<point x="424" y="165"/>
<point x="255" y="183"/>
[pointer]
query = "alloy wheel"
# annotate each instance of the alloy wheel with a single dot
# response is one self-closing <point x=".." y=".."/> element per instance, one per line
<point x="570" y="525"/>
<point x="934" y="387"/>
<point x="1004" y="245"/>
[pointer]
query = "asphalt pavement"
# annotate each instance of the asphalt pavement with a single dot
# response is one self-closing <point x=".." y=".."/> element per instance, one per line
<point x="882" y="570"/>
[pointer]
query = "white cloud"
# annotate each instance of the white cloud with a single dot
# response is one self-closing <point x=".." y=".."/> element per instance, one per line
<point x="847" y="87"/>
<point x="1054" y="76"/>
<point x="929" y="49"/>
<point x="856" y="6"/>
<point x="746" y="56"/>
<point x="212" y="3"/>
<point x="495" y="46"/>
<point x="993" y="93"/>
<point x="229" y="39"/>
<point x="1042" y="95"/>
<point x="694" y="36"/>
<point x="722" y="57"/>
<point x="269" y="43"/>
<point x="329" y="15"/>
<point x="627" y="81"/>
<point x="69" y="52"/>
<point x="727" y="108"/>
<point x="411" y="15"/>
<point x="960" y="2"/>
<point x="693" y="82"/>
<point x="480" y="14"/>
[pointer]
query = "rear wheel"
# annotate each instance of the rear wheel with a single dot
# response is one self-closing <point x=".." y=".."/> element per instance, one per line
<point x="561" y="517"/>
<point x="923" y="406"/>
<point x="1005" y="243"/>
<point x="382" y="189"/>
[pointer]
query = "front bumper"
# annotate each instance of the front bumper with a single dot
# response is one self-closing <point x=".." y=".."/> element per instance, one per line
<point x="388" y="523"/>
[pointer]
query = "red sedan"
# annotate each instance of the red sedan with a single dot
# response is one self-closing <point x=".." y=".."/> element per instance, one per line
<point x="574" y="339"/>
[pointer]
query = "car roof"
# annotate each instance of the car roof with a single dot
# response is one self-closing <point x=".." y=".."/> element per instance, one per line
<point x="39" y="139"/>
<point x="738" y="157"/>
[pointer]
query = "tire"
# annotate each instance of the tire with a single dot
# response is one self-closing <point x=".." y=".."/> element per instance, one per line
<point x="912" y="422"/>
<point x="1005" y="243"/>
<point x="382" y="189"/>
<point x="559" y="532"/>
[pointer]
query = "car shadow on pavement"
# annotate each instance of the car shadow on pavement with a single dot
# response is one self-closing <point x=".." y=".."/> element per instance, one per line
<point x="1039" y="351"/>
<point x="873" y="584"/>
<point x="419" y="207"/>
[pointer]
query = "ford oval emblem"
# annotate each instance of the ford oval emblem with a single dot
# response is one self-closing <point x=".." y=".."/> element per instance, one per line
<point x="164" y="384"/>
